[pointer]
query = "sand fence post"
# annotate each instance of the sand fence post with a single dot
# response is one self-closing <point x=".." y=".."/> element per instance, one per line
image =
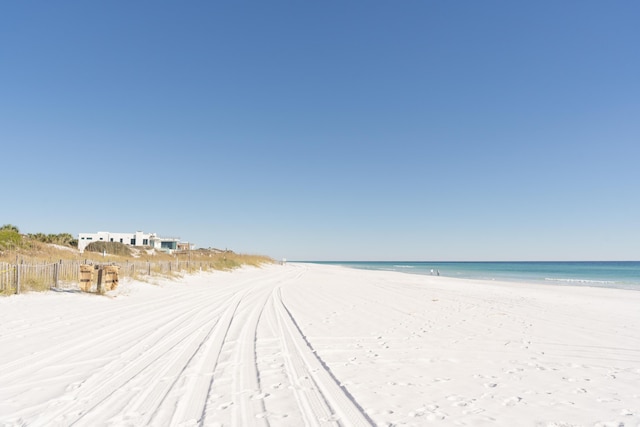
<point x="56" y="273"/>
<point x="99" y="286"/>
<point x="17" y="276"/>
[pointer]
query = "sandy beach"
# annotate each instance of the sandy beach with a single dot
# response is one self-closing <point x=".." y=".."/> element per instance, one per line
<point x="320" y="345"/>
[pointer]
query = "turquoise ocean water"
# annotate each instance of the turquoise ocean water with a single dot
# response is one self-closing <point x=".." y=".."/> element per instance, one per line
<point x="608" y="274"/>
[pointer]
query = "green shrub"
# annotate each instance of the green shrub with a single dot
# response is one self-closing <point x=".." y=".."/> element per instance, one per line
<point x="64" y="239"/>
<point x="9" y="239"/>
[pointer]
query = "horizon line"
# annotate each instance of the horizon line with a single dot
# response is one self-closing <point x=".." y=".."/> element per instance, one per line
<point x="434" y="261"/>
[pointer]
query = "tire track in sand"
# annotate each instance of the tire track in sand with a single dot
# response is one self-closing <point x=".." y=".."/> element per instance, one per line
<point x="192" y="407"/>
<point x="163" y="354"/>
<point x="322" y="400"/>
<point x="250" y="408"/>
<point x="118" y="334"/>
<point x="191" y="395"/>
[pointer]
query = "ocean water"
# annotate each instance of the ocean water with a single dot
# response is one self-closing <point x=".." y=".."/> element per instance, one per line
<point x="608" y="274"/>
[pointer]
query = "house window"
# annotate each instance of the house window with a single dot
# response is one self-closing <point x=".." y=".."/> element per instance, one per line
<point x="120" y="240"/>
<point x="101" y="238"/>
<point x="111" y="239"/>
<point x="145" y="242"/>
<point x="133" y="242"/>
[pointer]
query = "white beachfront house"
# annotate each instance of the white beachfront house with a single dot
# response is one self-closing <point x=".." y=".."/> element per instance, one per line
<point x="139" y="238"/>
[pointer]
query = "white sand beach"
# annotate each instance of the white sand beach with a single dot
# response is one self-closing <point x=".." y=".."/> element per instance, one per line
<point x="319" y="345"/>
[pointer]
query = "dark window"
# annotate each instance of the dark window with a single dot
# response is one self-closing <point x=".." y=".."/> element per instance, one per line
<point x="133" y="242"/>
<point x="168" y="245"/>
<point x="120" y="240"/>
<point x="145" y="242"/>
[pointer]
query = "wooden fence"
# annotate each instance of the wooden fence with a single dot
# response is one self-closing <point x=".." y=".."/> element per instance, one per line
<point x="22" y="276"/>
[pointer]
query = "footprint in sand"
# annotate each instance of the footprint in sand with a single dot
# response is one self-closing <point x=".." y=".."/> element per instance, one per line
<point x="559" y="424"/>
<point x="225" y="405"/>
<point x="456" y="400"/>
<point x="511" y="401"/>
<point x="607" y="400"/>
<point x="259" y="396"/>
<point x="609" y="424"/>
<point x="73" y="386"/>
<point x="417" y="413"/>
<point x="436" y="416"/>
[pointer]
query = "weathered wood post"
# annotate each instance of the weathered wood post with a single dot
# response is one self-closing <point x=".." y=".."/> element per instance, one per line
<point x="55" y="275"/>
<point x="17" y="276"/>
<point x="99" y="288"/>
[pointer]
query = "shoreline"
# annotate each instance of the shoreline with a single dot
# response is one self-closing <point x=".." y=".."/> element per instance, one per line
<point x="601" y="274"/>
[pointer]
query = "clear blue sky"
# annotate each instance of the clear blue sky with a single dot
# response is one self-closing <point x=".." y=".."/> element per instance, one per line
<point x="369" y="130"/>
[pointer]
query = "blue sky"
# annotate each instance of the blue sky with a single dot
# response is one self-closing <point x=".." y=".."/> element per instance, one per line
<point x="417" y="130"/>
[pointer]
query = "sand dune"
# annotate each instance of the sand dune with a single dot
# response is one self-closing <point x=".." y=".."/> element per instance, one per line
<point x="306" y="344"/>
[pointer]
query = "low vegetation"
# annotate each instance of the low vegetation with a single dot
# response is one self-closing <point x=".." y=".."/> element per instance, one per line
<point x="111" y="248"/>
<point x="50" y="248"/>
<point x="64" y="239"/>
<point x="12" y="240"/>
<point x="9" y="239"/>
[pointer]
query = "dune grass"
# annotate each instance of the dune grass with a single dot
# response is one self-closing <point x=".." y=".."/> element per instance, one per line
<point x="34" y="284"/>
<point x="140" y="263"/>
<point x="32" y="251"/>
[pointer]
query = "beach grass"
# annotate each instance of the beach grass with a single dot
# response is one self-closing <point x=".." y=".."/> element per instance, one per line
<point x="141" y="264"/>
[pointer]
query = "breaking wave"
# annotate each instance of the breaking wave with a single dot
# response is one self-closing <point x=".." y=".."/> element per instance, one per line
<point x="594" y="282"/>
